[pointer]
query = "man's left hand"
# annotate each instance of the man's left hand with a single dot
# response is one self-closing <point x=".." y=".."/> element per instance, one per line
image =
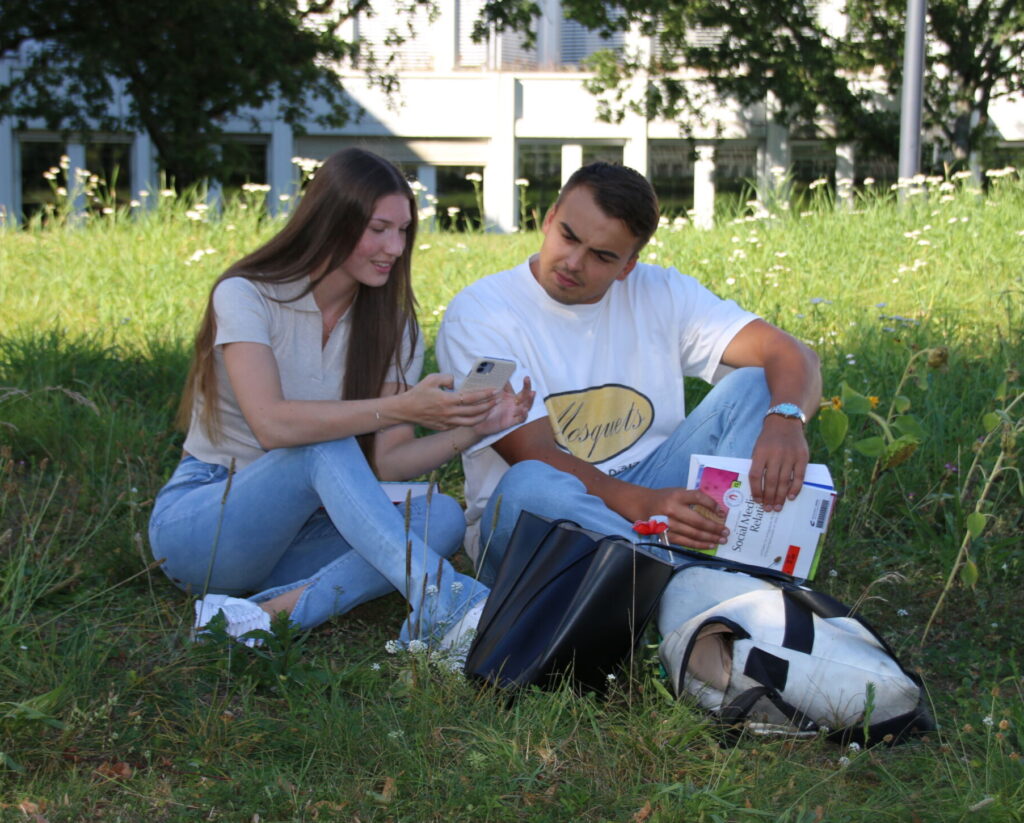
<point x="779" y="462"/>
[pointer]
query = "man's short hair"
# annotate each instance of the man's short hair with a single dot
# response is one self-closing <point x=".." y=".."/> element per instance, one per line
<point x="622" y="193"/>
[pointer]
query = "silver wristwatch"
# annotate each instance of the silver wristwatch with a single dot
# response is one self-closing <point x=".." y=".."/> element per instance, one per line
<point x="788" y="410"/>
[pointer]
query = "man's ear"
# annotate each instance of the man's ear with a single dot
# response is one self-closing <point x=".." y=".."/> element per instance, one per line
<point x="630" y="265"/>
<point x="549" y="218"/>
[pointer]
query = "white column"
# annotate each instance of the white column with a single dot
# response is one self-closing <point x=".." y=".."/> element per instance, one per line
<point x="704" y="187"/>
<point x="572" y="159"/>
<point x="444" y="37"/>
<point x="635" y="152"/>
<point x="845" y="174"/>
<point x="501" y="210"/>
<point x="76" y="168"/>
<point x="773" y="159"/>
<point x="974" y="158"/>
<point x="426" y="175"/>
<point x="143" y="170"/>
<point x="282" y="175"/>
<point x="10" y="184"/>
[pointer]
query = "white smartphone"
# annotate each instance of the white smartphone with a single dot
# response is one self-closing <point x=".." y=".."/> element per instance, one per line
<point x="488" y="373"/>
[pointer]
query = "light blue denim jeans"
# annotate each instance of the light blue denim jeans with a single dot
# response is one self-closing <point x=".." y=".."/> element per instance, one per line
<point x="265" y="534"/>
<point x="727" y="422"/>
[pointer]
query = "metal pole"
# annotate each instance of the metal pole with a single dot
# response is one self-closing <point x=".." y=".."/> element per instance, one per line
<point x="913" y="80"/>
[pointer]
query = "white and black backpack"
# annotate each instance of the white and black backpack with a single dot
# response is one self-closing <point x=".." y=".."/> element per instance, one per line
<point x="764" y="653"/>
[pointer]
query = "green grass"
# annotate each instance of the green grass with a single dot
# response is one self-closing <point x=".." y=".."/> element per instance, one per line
<point x="107" y="712"/>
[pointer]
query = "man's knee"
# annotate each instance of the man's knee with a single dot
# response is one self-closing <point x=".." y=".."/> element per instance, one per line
<point x="748" y="379"/>
<point x="533" y="482"/>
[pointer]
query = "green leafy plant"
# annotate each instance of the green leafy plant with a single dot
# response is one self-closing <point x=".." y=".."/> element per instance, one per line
<point x="1003" y="428"/>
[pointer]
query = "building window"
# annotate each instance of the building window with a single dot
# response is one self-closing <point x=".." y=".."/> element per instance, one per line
<point x="37" y="157"/>
<point x="112" y="163"/>
<point x="579" y="42"/>
<point x="602" y="154"/>
<point x="671" y="174"/>
<point x="243" y="161"/>
<point x="541" y="165"/>
<point x="735" y="175"/>
<point x="457" y="206"/>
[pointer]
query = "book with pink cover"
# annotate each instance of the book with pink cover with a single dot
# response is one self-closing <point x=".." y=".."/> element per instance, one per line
<point x="789" y="541"/>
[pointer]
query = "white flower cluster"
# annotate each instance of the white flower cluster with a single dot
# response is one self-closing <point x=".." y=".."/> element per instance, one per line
<point x="198" y="255"/>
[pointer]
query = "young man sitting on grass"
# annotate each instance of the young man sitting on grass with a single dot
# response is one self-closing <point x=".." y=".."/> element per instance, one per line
<point x="607" y="342"/>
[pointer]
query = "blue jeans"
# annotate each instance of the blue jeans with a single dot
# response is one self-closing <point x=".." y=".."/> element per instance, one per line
<point x="727" y="422"/>
<point x="267" y="534"/>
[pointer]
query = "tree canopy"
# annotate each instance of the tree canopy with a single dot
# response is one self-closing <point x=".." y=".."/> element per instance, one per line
<point x="815" y="72"/>
<point x="177" y="68"/>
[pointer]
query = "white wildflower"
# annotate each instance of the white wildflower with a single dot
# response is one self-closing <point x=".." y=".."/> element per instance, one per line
<point x="417" y="647"/>
<point x="474" y="177"/>
<point x="167" y="192"/>
<point x="375" y="667"/>
<point x="844" y="762"/>
<point x="869" y="181"/>
<point x="987" y="720"/>
<point x="731" y="281"/>
<point x="392" y="647"/>
<point x="902" y="612"/>
<point x="423" y="246"/>
<point x="522" y="182"/>
<point x="431" y="590"/>
<point x="453" y="210"/>
<point x="457" y="585"/>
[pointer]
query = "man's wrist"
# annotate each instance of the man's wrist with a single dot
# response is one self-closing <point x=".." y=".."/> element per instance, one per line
<point x="789" y="411"/>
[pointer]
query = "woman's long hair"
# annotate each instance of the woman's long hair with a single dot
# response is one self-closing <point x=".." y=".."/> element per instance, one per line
<point x="319" y="236"/>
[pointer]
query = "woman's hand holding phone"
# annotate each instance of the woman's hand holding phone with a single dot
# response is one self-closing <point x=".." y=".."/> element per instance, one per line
<point x="432" y="403"/>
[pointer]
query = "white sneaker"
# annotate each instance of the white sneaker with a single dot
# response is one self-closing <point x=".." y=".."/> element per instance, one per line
<point x="243" y="616"/>
<point x="457" y="640"/>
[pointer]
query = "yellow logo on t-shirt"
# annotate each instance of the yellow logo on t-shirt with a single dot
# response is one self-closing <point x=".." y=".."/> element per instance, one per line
<point x="598" y="423"/>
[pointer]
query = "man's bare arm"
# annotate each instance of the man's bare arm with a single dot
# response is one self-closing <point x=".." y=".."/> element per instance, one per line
<point x="793" y="374"/>
<point x="535" y="441"/>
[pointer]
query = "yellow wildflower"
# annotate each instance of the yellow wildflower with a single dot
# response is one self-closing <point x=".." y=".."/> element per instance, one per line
<point x="873" y="400"/>
<point x="837" y="402"/>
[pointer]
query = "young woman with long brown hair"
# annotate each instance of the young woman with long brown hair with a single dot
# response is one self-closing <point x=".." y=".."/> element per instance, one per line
<point x="302" y="395"/>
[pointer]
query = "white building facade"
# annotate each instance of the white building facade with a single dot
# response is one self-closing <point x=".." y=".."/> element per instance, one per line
<point x="498" y="109"/>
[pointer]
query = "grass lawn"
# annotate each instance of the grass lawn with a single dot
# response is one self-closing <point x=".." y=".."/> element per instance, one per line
<point x="108" y="712"/>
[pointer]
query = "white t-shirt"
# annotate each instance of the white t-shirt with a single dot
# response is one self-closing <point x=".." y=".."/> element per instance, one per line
<point x="608" y="375"/>
<point x="251" y="312"/>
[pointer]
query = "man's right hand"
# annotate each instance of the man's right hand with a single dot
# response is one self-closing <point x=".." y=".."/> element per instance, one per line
<point x="687" y="526"/>
<point x="690" y="515"/>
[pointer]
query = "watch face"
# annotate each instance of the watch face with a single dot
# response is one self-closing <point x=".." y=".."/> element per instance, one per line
<point x="788" y="410"/>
